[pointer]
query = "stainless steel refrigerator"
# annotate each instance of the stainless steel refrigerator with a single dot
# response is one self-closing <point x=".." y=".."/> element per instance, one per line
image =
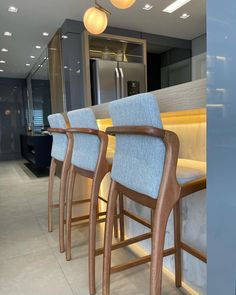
<point x="111" y="80"/>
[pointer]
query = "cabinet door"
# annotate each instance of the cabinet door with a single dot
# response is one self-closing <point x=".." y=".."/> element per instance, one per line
<point x="133" y="78"/>
<point x="105" y="81"/>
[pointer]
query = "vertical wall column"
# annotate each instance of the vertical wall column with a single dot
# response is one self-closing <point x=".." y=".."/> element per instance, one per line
<point x="221" y="147"/>
<point x="56" y="75"/>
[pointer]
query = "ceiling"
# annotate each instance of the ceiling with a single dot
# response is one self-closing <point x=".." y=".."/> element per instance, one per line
<point x="37" y="16"/>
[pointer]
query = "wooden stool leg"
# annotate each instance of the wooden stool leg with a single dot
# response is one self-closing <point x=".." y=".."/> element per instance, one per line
<point x="50" y="193"/>
<point x="69" y="212"/>
<point x="63" y="182"/>
<point x="92" y="233"/>
<point x="122" y="218"/>
<point x="159" y="227"/>
<point x="177" y="241"/>
<point x="108" y="239"/>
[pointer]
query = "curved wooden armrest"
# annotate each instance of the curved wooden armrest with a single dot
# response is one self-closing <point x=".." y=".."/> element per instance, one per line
<point x="83" y="131"/>
<point x="193" y="186"/>
<point x="137" y="130"/>
<point x="56" y="130"/>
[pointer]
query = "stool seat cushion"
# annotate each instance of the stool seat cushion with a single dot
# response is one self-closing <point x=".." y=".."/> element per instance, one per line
<point x="86" y="147"/>
<point x="60" y="141"/>
<point x="189" y="170"/>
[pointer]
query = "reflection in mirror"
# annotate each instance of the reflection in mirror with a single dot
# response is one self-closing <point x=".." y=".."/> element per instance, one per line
<point x="40" y="94"/>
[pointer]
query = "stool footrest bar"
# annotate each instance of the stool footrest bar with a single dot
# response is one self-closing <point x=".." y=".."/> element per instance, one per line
<point x="131" y="263"/>
<point x="102" y="199"/>
<point x="194" y="252"/>
<point x="84" y="217"/>
<point x="137" y="218"/>
<point x="126" y="243"/>
<point x="74" y="203"/>
<point x="139" y="261"/>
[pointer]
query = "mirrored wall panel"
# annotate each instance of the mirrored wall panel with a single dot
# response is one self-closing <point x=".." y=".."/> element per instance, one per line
<point x="39" y="95"/>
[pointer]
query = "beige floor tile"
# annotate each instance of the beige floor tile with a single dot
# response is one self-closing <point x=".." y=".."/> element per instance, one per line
<point x="19" y="236"/>
<point x="30" y="262"/>
<point x="34" y="274"/>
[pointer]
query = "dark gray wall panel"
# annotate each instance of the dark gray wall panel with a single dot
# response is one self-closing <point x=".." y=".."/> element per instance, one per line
<point x="199" y="45"/>
<point x="12" y="117"/>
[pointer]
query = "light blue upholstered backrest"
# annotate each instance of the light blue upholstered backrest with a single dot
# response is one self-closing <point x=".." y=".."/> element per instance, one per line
<point x="139" y="160"/>
<point x="86" y="147"/>
<point x="60" y="140"/>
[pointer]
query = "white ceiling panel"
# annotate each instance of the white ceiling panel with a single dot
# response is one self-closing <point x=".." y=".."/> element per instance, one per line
<point x="37" y="16"/>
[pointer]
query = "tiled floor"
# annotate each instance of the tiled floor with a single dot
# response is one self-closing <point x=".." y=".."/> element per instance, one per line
<point x="30" y="263"/>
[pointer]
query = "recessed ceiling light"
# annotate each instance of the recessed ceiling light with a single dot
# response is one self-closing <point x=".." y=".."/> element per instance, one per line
<point x="8" y="34"/>
<point x="147" y="6"/>
<point x="28" y="65"/>
<point x="175" y="5"/>
<point x="13" y="9"/>
<point x="2" y="61"/>
<point x="32" y="56"/>
<point x="1" y="70"/>
<point x="4" y="50"/>
<point x="185" y="15"/>
<point x="37" y="46"/>
<point x="45" y="34"/>
<point x="64" y="37"/>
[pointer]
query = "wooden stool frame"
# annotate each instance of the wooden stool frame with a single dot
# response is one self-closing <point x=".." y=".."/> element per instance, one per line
<point x="63" y="188"/>
<point x="102" y="168"/>
<point x="169" y="197"/>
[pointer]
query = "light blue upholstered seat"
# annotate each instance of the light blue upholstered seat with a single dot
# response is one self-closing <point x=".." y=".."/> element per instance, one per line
<point x="138" y="161"/>
<point x="60" y="141"/>
<point x="86" y="147"/>
<point x="189" y="170"/>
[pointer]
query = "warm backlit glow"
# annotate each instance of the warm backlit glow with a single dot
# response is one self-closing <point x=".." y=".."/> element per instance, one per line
<point x="184" y="117"/>
<point x="179" y="117"/>
<point x="95" y="20"/>
<point x="123" y="4"/>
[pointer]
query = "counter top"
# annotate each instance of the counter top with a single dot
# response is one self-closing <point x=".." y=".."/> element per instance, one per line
<point x="185" y="96"/>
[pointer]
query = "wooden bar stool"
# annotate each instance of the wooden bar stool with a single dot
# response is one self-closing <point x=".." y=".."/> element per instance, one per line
<point x="144" y="170"/>
<point x="89" y="160"/>
<point x="59" y="154"/>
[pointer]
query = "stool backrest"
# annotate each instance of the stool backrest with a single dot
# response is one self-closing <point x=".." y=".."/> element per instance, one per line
<point x="86" y="147"/>
<point x="139" y="160"/>
<point x="60" y="141"/>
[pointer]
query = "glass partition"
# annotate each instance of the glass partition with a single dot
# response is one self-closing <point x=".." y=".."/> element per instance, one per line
<point x="39" y="95"/>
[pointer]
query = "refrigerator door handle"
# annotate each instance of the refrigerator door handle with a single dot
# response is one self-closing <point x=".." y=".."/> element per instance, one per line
<point x="122" y="89"/>
<point x="117" y="81"/>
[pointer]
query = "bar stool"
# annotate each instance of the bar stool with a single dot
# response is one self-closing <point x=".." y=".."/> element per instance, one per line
<point x="144" y="170"/>
<point x="61" y="153"/>
<point x="58" y="154"/>
<point x="89" y="160"/>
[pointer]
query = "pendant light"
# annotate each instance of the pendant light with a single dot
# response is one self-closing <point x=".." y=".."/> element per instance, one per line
<point x="122" y="4"/>
<point x="95" y="19"/>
